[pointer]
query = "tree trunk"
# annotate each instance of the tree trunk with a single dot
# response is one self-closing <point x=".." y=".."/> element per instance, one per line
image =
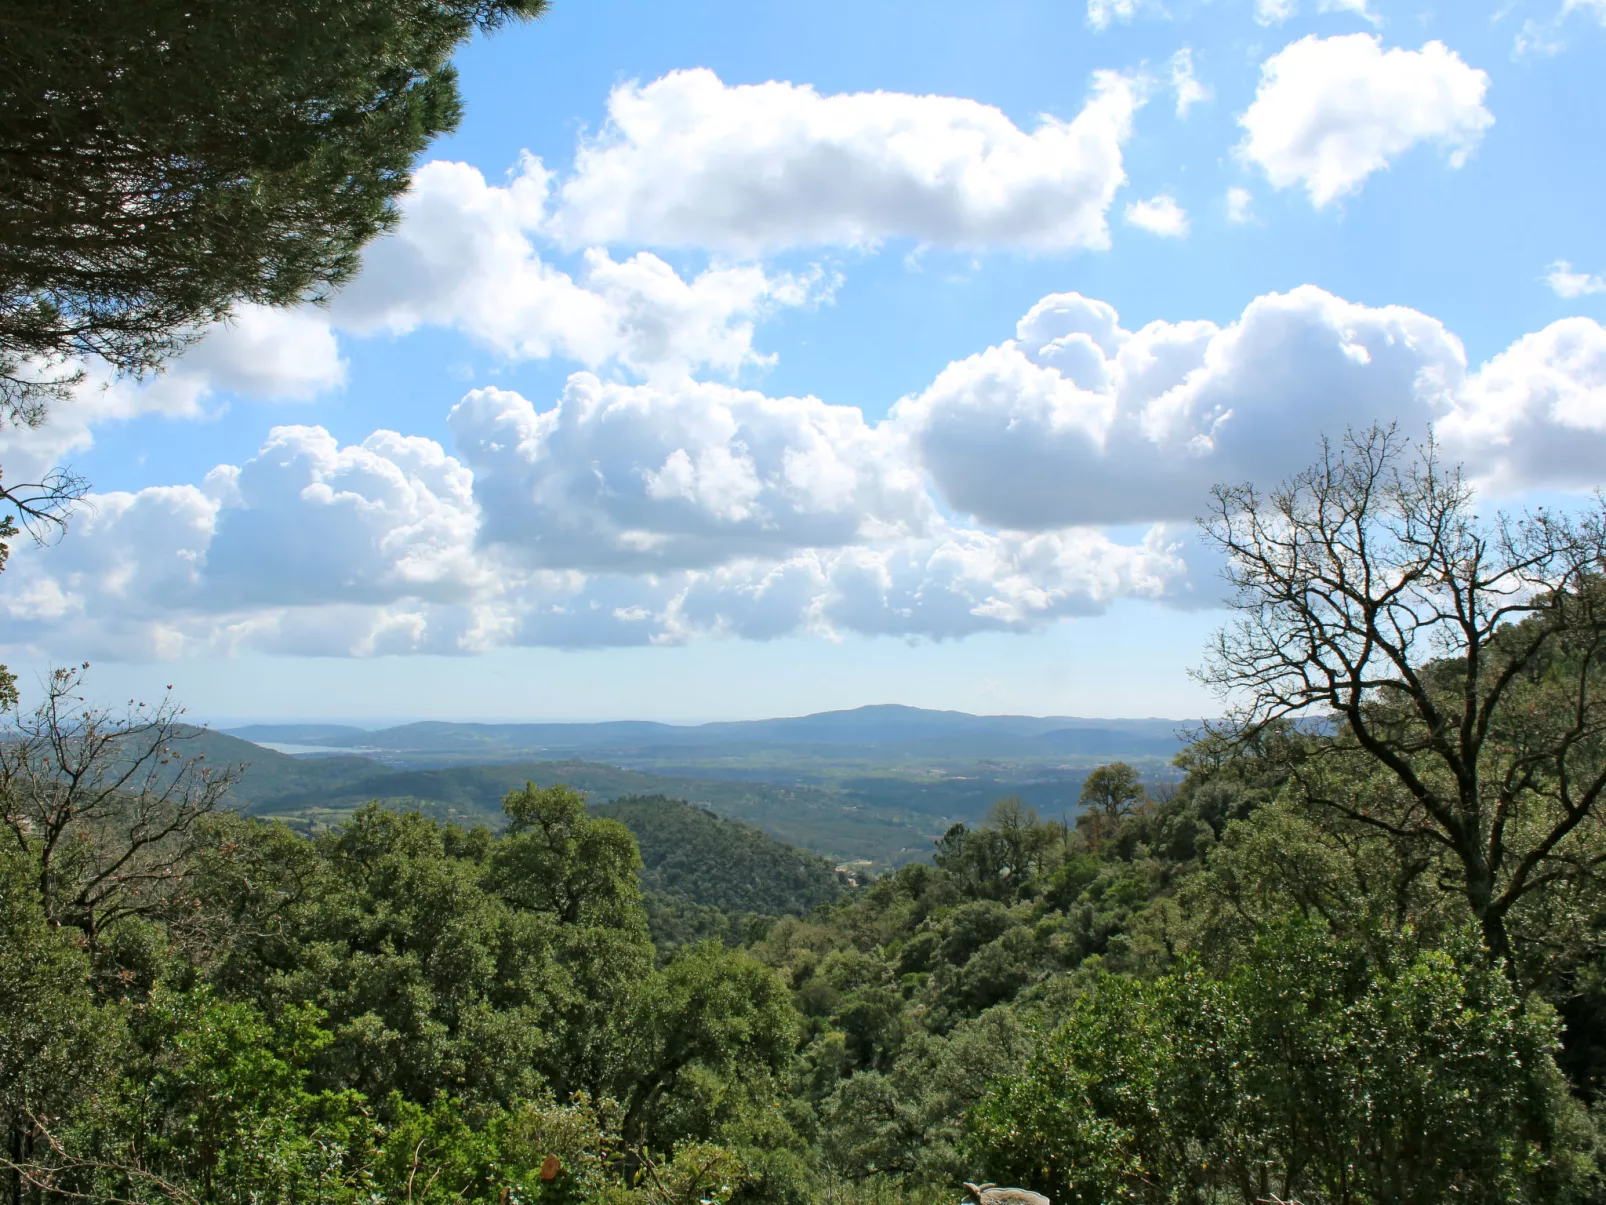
<point x="1492" y="921"/>
<point x="16" y="1162"/>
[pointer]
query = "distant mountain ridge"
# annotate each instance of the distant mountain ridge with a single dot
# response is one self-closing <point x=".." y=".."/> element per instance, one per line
<point x="878" y="782"/>
<point x="873" y="726"/>
<point x="323" y="790"/>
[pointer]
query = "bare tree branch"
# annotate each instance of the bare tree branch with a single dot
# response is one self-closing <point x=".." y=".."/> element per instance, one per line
<point x="1463" y="656"/>
<point x="105" y="805"/>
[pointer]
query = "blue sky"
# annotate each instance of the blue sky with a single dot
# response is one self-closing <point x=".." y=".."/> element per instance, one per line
<point x="740" y="360"/>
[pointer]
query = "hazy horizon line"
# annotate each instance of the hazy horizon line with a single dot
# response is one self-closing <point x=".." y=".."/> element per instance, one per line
<point x="377" y="723"/>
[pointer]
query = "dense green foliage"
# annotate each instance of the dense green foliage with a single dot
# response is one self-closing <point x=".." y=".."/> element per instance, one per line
<point x="1222" y="995"/>
<point x="401" y="1001"/>
<point x="1312" y="1070"/>
<point x="1221" y="1000"/>
<point x="315" y="793"/>
<point x="703" y="876"/>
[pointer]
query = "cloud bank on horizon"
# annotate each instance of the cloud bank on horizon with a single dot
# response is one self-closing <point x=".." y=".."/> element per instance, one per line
<point x="664" y="495"/>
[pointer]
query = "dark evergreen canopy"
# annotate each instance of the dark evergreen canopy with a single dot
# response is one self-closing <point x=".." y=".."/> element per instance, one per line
<point x="164" y="160"/>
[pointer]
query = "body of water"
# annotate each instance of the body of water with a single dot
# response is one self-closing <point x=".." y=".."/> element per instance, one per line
<point x="278" y="747"/>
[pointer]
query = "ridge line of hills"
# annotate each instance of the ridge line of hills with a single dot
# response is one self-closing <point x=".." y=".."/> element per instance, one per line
<point x="877" y="784"/>
<point x="314" y="793"/>
<point x="818" y="750"/>
<point x="871" y="724"/>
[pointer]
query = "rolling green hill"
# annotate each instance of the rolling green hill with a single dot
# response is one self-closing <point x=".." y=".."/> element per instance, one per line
<point x="703" y="876"/>
<point x="865" y="738"/>
<point x="260" y="773"/>
<point x="881" y="814"/>
<point x="827" y="822"/>
<point x="691" y="853"/>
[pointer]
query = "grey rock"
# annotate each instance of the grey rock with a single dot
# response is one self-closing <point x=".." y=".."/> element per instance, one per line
<point x="991" y="1194"/>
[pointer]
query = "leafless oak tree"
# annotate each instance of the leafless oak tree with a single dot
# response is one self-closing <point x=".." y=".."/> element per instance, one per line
<point x="104" y="804"/>
<point x="1458" y="658"/>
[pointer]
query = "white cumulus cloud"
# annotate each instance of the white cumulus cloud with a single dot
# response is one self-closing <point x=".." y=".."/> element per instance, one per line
<point x="464" y="256"/>
<point x="312" y="548"/>
<point x="644" y="477"/>
<point x="1535" y="415"/>
<point x="265" y="353"/>
<point x="1159" y="215"/>
<point x="260" y="353"/>
<point x="1185" y="84"/>
<point x="1078" y="420"/>
<point x="688" y="160"/>
<point x="1564" y="282"/>
<point x="1331" y="111"/>
<point x="303" y="531"/>
<point x="670" y="511"/>
<point x="1240" y="204"/>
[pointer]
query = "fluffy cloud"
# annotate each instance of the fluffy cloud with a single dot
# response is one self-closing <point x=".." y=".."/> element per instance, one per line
<point x="689" y="161"/>
<point x="260" y="353"/>
<point x="1535" y="415"/>
<point x="951" y="584"/>
<point x="306" y="537"/>
<point x="1331" y="111"/>
<point x="1564" y="282"/>
<point x="308" y="521"/>
<point x="264" y="353"/>
<point x="685" y="476"/>
<point x="665" y="512"/>
<point x="1159" y="215"/>
<point x="304" y="522"/>
<point x="1185" y="84"/>
<point x="463" y="256"/>
<point x="1078" y="420"/>
<point x="314" y="548"/>
<point x="1240" y="203"/>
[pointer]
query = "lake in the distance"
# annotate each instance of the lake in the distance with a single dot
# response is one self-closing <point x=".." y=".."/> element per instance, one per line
<point x="278" y="747"/>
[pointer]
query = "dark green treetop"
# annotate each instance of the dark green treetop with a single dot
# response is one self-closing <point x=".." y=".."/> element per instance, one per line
<point x="162" y="162"/>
